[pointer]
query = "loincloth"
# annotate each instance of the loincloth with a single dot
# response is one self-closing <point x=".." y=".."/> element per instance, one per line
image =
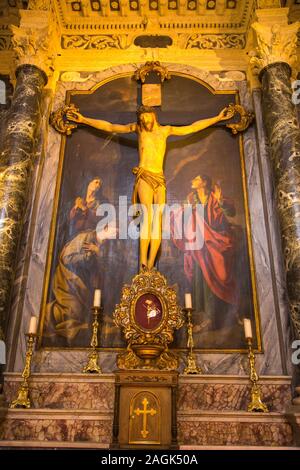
<point x="155" y="180"/>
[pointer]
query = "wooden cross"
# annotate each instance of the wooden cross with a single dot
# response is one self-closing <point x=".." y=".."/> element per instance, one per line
<point x="145" y="414"/>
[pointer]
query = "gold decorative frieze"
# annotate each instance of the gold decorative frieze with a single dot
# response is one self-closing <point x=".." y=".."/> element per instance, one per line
<point x="245" y="120"/>
<point x="59" y="121"/>
<point x="99" y="42"/>
<point x="128" y="31"/>
<point x="213" y="41"/>
<point x="181" y="41"/>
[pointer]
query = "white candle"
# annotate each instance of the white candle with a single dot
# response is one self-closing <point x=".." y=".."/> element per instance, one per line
<point x="188" y="300"/>
<point x="97" y="298"/>
<point x="247" y="328"/>
<point x="33" y="326"/>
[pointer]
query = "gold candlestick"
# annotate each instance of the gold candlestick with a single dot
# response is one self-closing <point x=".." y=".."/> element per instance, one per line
<point x="256" y="403"/>
<point x="23" y="400"/>
<point x="191" y="367"/>
<point x="92" y="366"/>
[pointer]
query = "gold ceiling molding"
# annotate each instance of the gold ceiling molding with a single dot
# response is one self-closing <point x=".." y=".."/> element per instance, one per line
<point x="181" y="41"/>
<point x="88" y="16"/>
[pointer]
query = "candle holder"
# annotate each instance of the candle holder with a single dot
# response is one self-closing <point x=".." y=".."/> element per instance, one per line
<point x="92" y="366"/>
<point x="191" y="367"/>
<point x="256" y="403"/>
<point x="23" y="400"/>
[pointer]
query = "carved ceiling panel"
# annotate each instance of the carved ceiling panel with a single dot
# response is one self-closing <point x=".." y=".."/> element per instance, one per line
<point x="118" y="25"/>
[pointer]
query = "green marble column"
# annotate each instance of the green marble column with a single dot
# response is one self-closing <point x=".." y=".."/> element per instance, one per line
<point x="280" y="118"/>
<point x="16" y="163"/>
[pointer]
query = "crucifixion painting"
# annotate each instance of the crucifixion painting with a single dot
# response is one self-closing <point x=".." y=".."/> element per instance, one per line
<point x="150" y="185"/>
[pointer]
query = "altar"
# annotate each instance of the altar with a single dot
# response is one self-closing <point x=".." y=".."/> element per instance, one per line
<point x="72" y="410"/>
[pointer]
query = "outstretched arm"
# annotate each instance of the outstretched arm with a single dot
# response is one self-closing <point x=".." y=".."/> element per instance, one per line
<point x="200" y="125"/>
<point x="101" y="125"/>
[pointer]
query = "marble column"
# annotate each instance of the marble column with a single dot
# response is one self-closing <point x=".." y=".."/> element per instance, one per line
<point x="16" y="163"/>
<point x="280" y="119"/>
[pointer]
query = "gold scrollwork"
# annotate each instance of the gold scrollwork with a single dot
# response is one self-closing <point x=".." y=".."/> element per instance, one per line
<point x="59" y="121"/>
<point x="246" y="118"/>
<point x="99" y="42"/>
<point x="152" y="66"/>
<point x="213" y="41"/>
<point x="148" y="348"/>
<point x="129" y="360"/>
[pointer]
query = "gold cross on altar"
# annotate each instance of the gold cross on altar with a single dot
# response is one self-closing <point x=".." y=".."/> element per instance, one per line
<point x="145" y="414"/>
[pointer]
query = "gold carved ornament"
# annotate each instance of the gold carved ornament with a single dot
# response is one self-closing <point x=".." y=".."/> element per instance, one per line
<point x="246" y="118"/>
<point x="142" y="72"/>
<point x="59" y="121"/>
<point x="148" y="348"/>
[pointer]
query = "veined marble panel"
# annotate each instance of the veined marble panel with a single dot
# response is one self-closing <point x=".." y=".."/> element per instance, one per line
<point x="235" y="429"/>
<point x="230" y="393"/>
<point x="195" y="393"/>
<point x="66" y="391"/>
<point x="58" y="425"/>
<point x="71" y="408"/>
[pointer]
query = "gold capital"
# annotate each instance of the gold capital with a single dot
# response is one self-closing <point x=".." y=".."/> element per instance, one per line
<point x="34" y="40"/>
<point x="276" y="42"/>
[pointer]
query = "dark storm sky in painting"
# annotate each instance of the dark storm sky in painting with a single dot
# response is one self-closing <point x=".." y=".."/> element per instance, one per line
<point x="91" y="154"/>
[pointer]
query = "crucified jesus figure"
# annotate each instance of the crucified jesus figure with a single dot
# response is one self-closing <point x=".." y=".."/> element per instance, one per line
<point x="150" y="185"/>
